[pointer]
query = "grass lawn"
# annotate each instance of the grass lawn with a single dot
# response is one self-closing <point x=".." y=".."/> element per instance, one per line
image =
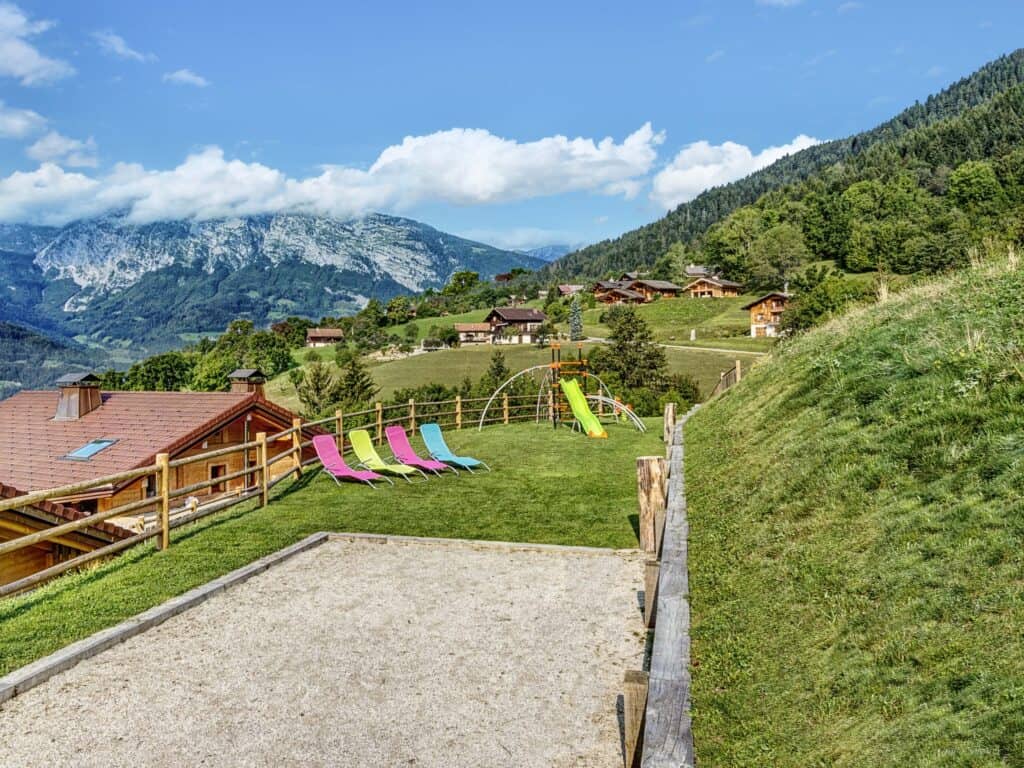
<point x="856" y="525"/>
<point x="450" y="366"/>
<point x="548" y="486"/>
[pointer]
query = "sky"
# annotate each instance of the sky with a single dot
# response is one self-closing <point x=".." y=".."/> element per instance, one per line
<point x="519" y="124"/>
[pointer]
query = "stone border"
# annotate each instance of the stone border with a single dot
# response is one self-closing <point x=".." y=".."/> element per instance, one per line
<point x="41" y="670"/>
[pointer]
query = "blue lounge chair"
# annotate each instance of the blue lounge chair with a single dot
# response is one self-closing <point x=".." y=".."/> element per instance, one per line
<point x="439" y="450"/>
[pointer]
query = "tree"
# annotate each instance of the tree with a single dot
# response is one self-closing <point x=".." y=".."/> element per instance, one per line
<point x="827" y="298"/>
<point x="412" y="334"/>
<point x="373" y="314"/>
<point x="357" y="386"/>
<point x="269" y="352"/>
<point x="575" y="319"/>
<point x="211" y="372"/>
<point x="168" y="372"/>
<point x="293" y="330"/>
<point x="633" y="356"/>
<point x="399" y="310"/>
<point x="461" y="283"/>
<point x="776" y="254"/>
<point x="975" y="188"/>
<point x="318" y="389"/>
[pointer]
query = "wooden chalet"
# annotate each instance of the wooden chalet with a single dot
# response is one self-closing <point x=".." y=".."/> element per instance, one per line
<point x="712" y="288"/>
<point x="618" y="295"/>
<point x="766" y="314"/>
<point x="568" y="289"/>
<point x="473" y="333"/>
<point x="78" y="433"/>
<point x="15" y="523"/>
<point x="514" y="325"/>
<point x="324" y="337"/>
<point x="651" y="289"/>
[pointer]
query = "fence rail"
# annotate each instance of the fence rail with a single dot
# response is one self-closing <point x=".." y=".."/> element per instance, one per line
<point x="727" y="379"/>
<point x="174" y="505"/>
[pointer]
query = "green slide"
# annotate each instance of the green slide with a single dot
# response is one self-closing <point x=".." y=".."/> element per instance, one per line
<point x="580" y="409"/>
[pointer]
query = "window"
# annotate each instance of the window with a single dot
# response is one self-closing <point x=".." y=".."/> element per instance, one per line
<point x="89" y="450"/>
<point x="217" y="470"/>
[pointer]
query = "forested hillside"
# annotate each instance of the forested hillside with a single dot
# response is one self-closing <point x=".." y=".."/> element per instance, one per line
<point x="687" y="223"/>
<point x="29" y="360"/>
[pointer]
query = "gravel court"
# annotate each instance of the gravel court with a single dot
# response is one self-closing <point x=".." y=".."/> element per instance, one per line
<point x="361" y="653"/>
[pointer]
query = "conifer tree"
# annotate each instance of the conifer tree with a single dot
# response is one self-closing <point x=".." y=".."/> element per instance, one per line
<point x="575" y="319"/>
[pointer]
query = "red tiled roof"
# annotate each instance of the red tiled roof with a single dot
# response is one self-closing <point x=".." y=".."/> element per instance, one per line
<point x="63" y="512"/>
<point x="32" y="445"/>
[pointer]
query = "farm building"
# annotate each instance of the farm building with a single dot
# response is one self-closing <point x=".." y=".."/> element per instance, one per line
<point x="712" y="288"/>
<point x="766" y="314"/>
<point x="323" y="337"/>
<point x="473" y="333"/>
<point x="40" y="516"/>
<point x="78" y="433"/>
<point x="514" y="325"/>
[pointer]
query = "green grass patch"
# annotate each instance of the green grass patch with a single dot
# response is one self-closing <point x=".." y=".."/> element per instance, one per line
<point x="548" y="486"/>
<point x="856" y="531"/>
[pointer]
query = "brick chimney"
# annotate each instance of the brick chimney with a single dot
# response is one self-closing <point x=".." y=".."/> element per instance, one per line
<point x="248" y="380"/>
<point x="79" y="395"/>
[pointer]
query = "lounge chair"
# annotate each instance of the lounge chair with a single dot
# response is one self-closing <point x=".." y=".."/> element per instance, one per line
<point x="403" y="451"/>
<point x="439" y="450"/>
<point x="335" y="466"/>
<point x="362" y="446"/>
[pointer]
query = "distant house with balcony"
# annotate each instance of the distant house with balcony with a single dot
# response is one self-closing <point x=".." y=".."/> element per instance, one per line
<point x="633" y="290"/>
<point x="712" y="288"/>
<point x="766" y="314"/>
<point x="473" y="333"/>
<point x="324" y="337"/>
<point x="652" y="289"/>
<point x="514" y="325"/>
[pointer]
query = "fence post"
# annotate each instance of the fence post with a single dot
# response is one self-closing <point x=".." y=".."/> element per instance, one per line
<point x="650" y="489"/>
<point x="651" y="570"/>
<point x="297" y="446"/>
<point x="261" y="458"/>
<point x="551" y="406"/>
<point x="380" y="422"/>
<point x="504" y="406"/>
<point x="669" y="422"/>
<point x="339" y="422"/>
<point x="739" y="371"/>
<point x="634" y="701"/>
<point x="412" y="416"/>
<point x="163" y="461"/>
<point x="458" y="411"/>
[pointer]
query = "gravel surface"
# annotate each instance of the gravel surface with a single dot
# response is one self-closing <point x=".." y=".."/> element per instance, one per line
<point x="361" y="654"/>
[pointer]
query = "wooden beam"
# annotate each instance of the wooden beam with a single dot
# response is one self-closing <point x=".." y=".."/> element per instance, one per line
<point x="339" y="430"/>
<point x="458" y="411"/>
<point x="668" y="422"/>
<point x="297" y="446"/>
<point x="650" y="488"/>
<point x="163" y="462"/>
<point x="651" y="570"/>
<point x="634" y="702"/>
<point x="261" y="460"/>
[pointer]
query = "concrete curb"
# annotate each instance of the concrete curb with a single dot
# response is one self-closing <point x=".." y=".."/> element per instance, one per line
<point x="31" y="675"/>
<point x="508" y="546"/>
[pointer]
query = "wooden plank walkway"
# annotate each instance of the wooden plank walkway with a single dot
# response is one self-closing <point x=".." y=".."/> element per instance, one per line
<point x="668" y="737"/>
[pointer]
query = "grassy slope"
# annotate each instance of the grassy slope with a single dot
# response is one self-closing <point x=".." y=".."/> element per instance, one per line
<point x="547" y="486"/>
<point x="856" y="527"/>
<point x="451" y="366"/>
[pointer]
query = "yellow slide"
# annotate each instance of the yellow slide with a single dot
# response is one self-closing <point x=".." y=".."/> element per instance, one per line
<point x="580" y="409"/>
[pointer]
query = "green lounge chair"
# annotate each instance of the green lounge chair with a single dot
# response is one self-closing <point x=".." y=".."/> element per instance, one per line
<point x="362" y="446"/>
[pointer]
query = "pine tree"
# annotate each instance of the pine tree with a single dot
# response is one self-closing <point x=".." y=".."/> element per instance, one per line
<point x="318" y="389"/>
<point x="357" y="386"/>
<point x="633" y="354"/>
<point x="575" y="319"/>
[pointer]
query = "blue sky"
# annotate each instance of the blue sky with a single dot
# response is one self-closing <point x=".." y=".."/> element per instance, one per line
<point x="524" y="124"/>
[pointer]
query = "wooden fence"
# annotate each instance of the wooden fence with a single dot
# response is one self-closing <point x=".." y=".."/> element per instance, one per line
<point x="656" y="702"/>
<point x="172" y="506"/>
<point x="727" y="379"/>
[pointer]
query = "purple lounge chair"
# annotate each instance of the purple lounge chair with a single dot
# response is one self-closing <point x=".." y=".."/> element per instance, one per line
<point x="403" y="451"/>
<point x="335" y="466"/>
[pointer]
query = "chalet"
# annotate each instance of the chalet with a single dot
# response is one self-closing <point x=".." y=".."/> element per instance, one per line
<point x="504" y="277"/>
<point x="766" y="314"/>
<point x="654" y="288"/>
<point x="78" y="433"/>
<point x="694" y="271"/>
<point x="473" y="333"/>
<point x="628" y="277"/>
<point x="570" y="290"/>
<point x="324" y="337"/>
<point x="514" y="325"/>
<point x="619" y="295"/>
<point x="31" y="518"/>
<point x="712" y="288"/>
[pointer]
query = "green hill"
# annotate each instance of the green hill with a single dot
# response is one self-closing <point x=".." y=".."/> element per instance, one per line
<point x="856" y="529"/>
<point x="689" y="222"/>
<point x="31" y="360"/>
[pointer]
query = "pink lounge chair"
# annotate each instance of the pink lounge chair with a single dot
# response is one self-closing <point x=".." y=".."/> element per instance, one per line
<point x="403" y="451"/>
<point x="335" y="466"/>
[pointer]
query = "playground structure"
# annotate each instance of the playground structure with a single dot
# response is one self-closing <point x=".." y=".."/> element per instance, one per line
<point x="562" y="388"/>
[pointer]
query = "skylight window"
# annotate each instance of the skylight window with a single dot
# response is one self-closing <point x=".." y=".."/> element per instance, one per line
<point x="89" y="450"/>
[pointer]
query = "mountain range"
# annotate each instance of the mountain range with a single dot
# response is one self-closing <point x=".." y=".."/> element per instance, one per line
<point x="115" y="284"/>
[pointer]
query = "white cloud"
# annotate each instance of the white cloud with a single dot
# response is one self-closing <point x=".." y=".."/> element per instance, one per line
<point x="701" y="165"/>
<point x="18" y="57"/>
<point x="55" y="148"/>
<point x="115" y="45"/>
<point x="852" y="5"/>
<point x="522" y="238"/>
<point x="780" y="3"/>
<point x="714" y="56"/>
<point x="935" y="71"/>
<point x="457" y="166"/>
<point x="18" y="123"/>
<point x="186" y="77"/>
